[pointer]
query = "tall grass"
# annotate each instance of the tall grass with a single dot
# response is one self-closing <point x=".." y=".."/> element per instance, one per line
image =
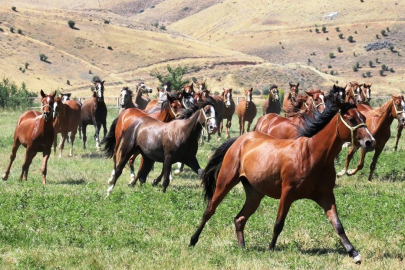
<point x="69" y="224"/>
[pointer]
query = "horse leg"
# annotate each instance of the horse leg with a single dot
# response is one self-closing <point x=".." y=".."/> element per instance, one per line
<point x="44" y="166"/>
<point x="134" y="178"/>
<point x="97" y="135"/>
<point x="14" y="149"/>
<point x="55" y="139"/>
<point x="240" y="126"/>
<point x="248" y="127"/>
<point x="253" y="199"/>
<point x="124" y="156"/>
<point x="327" y="202"/>
<point x="62" y="143"/>
<point x="29" y="156"/>
<point x="84" y="127"/>
<point x="228" y="127"/>
<point x="192" y="162"/>
<point x="159" y="178"/>
<point x="283" y="208"/>
<point x="399" y="132"/>
<point x="104" y="128"/>
<point x="131" y="167"/>
<point x="359" y="166"/>
<point x="167" y="168"/>
<point x="350" y="155"/>
<point x="143" y="171"/>
<point x="219" y="128"/>
<point x="72" y="140"/>
<point x="80" y="130"/>
<point x="377" y="153"/>
<point x="225" y="182"/>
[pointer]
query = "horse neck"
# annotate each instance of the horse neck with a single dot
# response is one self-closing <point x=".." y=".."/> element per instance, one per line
<point x="192" y="125"/>
<point x="386" y="116"/>
<point x="138" y="96"/>
<point x="164" y="115"/>
<point x="129" y="103"/>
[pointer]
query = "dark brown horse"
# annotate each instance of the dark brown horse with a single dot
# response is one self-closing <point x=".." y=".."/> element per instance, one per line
<point x="175" y="141"/>
<point x="246" y="111"/>
<point x="126" y="99"/>
<point x="379" y="121"/>
<point x="66" y="96"/>
<point x="140" y="100"/>
<point x="94" y="112"/>
<point x="229" y="110"/>
<point x="288" y="170"/>
<point x="67" y="119"/>
<point x="187" y="96"/>
<point x="35" y="132"/>
<point x="288" y="98"/>
<point x="272" y="104"/>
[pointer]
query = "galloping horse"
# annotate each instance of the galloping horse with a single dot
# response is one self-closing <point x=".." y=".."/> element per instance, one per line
<point x="169" y="110"/>
<point x="290" y="97"/>
<point x="141" y="101"/>
<point x="126" y="99"/>
<point x="246" y="111"/>
<point x="229" y="110"/>
<point x="94" y="112"/>
<point x="176" y="141"/>
<point x="288" y="170"/>
<point x="67" y="119"/>
<point x="272" y="104"/>
<point x="379" y="122"/>
<point x="353" y="93"/>
<point x="35" y="132"/>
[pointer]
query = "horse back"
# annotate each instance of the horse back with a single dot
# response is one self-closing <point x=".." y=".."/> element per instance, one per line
<point x="219" y="106"/>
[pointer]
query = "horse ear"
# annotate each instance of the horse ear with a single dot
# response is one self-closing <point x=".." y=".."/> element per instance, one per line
<point x="42" y="93"/>
<point x="102" y="82"/>
<point x="298" y="84"/>
<point x="169" y="98"/>
<point x="308" y="93"/>
<point x="54" y="94"/>
<point x="230" y="89"/>
<point x="290" y="84"/>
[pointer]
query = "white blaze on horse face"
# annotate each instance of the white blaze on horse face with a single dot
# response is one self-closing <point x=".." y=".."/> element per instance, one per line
<point x="201" y="88"/>
<point x="228" y="99"/>
<point x="99" y="91"/>
<point x="275" y="93"/>
<point x="165" y="88"/>
<point x="55" y="106"/>
<point x="248" y="97"/>
<point x="212" y="123"/>
<point x="322" y="98"/>
<point x="123" y="97"/>
<point x="368" y="93"/>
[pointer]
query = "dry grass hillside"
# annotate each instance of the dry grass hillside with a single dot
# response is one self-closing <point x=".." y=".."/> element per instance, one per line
<point x="235" y="43"/>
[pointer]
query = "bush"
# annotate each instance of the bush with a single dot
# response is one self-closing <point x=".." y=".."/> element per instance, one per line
<point x="331" y="55"/>
<point x="317" y="30"/>
<point x="363" y="75"/>
<point x="110" y="48"/>
<point x="19" y="31"/>
<point x="1" y="29"/>
<point x="236" y="92"/>
<point x="377" y="37"/>
<point x="337" y="29"/>
<point x="370" y="63"/>
<point x="368" y="73"/>
<point x="383" y="32"/>
<point x="67" y="82"/>
<point x="381" y="72"/>
<point x="90" y="71"/>
<point x="71" y="24"/>
<point x="392" y="48"/>
<point x="357" y="64"/>
<point x="14" y="8"/>
<point x="323" y="29"/>
<point x="43" y="57"/>
<point x="329" y="66"/>
<point x="388" y="29"/>
<point x="350" y="39"/>
<point x="392" y="69"/>
<point x="12" y="29"/>
<point x="355" y="32"/>
<point x="383" y="67"/>
<point x="332" y="72"/>
<point x="26" y="65"/>
<point x="95" y="79"/>
<point x="341" y="36"/>
<point x="106" y="22"/>
<point x="339" y="49"/>
<point x="162" y="27"/>
<point x="155" y="25"/>
<point x="256" y="92"/>
<point x="355" y="68"/>
<point x="175" y="76"/>
<point x="12" y="96"/>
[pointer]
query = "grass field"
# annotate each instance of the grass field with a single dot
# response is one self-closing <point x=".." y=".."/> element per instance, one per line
<point x="69" y="224"/>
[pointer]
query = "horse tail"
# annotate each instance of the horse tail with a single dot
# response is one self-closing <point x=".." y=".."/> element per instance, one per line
<point x="210" y="173"/>
<point x="109" y="140"/>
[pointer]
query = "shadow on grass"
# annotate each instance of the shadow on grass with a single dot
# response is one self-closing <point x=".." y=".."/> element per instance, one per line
<point x="72" y="182"/>
<point x="94" y="155"/>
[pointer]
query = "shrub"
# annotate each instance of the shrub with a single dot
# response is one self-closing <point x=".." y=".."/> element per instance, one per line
<point x="236" y="92"/>
<point x="71" y="24"/>
<point x="331" y="55"/>
<point x="43" y="57"/>
<point x="90" y="71"/>
<point x="370" y="63"/>
<point x="12" y="96"/>
<point x="265" y="91"/>
<point x="383" y="32"/>
<point x="323" y="29"/>
<point x="363" y="75"/>
<point x="155" y="25"/>
<point x="392" y="48"/>
<point x="19" y="31"/>
<point x="1" y="29"/>
<point x="106" y="22"/>
<point x="388" y="29"/>
<point x="355" y="68"/>
<point x="339" y="49"/>
<point x="12" y="29"/>
<point x="26" y="65"/>
<point x="341" y="36"/>
<point x="67" y="82"/>
<point x="377" y="37"/>
<point x="357" y="64"/>
<point x="96" y="78"/>
<point x="141" y="11"/>
<point x="376" y="60"/>
<point x="14" y="8"/>
<point x="368" y="73"/>
<point x="383" y="67"/>
<point x="162" y="27"/>
<point x="332" y="72"/>
<point x="110" y="48"/>
<point x="337" y="29"/>
<point x="327" y="38"/>
<point x="392" y="69"/>
<point x="329" y="66"/>
<point x="317" y="30"/>
<point x="256" y="92"/>
<point x="355" y="32"/>
<point x="175" y="76"/>
<point x="350" y="39"/>
<point x="381" y="72"/>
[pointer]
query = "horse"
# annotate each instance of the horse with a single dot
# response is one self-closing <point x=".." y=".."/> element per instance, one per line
<point x="94" y="112"/>
<point x="141" y="101"/>
<point x="175" y="141"/>
<point x="66" y="96"/>
<point x="187" y="96"/>
<point x="379" y="121"/>
<point x="298" y="105"/>
<point x="229" y="110"/>
<point x="285" y="169"/>
<point x="353" y="93"/>
<point x="162" y="93"/>
<point x="288" y="98"/>
<point x="246" y="111"/>
<point x="126" y="99"/>
<point x="170" y="109"/>
<point x="36" y="133"/>
<point x="315" y="101"/>
<point x="366" y="94"/>
<point x="67" y="119"/>
<point x="272" y="104"/>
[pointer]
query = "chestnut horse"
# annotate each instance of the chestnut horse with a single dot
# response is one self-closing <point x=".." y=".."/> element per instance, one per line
<point x="353" y="93"/>
<point x="175" y="141"/>
<point x="298" y="105"/>
<point x="379" y="121"/>
<point x="141" y="101"/>
<point x="272" y="104"/>
<point x="229" y="110"/>
<point x="169" y="110"/>
<point x="366" y="94"/>
<point x="285" y="169"/>
<point x="35" y="132"/>
<point x="288" y="98"/>
<point x="246" y="111"/>
<point x="67" y="119"/>
<point x="126" y="99"/>
<point x="94" y="112"/>
<point x="315" y="102"/>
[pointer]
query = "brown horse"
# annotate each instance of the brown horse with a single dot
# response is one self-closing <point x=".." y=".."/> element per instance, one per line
<point x="66" y="96"/>
<point x="187" y="96"/>
<point x="126" y="99"/>
<point x="315" y="102"/>
<point x="175" y="141"/>
<point x="229" y="110"/>
<point x="366" y="94"/>
<point x="379" y="121"/>
<point x="288" y="98"/>
<point x="162" y="93"/>
<point x="246" y="111"/>
<point x="298" y="105"/>
<point x="170" y="109"/>
<point x="141" y="101"/>
<point x="288" y="170"/>
<point x="94" y="112"/>
<point x="67" y="119"/>
<point x="35" y="132"/>
<point x="353" y="93"/>
<point x="272" y="104"/>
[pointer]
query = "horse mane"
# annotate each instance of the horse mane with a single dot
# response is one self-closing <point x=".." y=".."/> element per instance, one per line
<point x="312" y="125"/>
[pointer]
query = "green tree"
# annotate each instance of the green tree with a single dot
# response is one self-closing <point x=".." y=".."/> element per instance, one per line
<point x="323" y="29"/>
<point x="370" y="63"/>
<point x="12" y="96"/>
<point x="368" y="73"/>
<point x="383" y="32"/>
<point x="337" y="29"/>
<point x="175" y="76"/>
<point x="339" y="49"/>
<point x="355" y="68"/>
<point x="14" y="8"/>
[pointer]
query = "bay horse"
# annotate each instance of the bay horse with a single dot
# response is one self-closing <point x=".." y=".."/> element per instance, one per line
<point x="126" y="99"/>
<point x="140" y="100"/>
<point x="94" y="112"/>
<point x="365" y="94"/>
<point x="298" y="105"/>
<point x="246" y="111"/>
<point x="229" y="110"/>
<point x="353" y="93"/>
<point x="170" y="109"/>
<point x="288" y="98"/>
<point x="66" y="119"/>
<point x="315" y="101"/>
<point x="175" y="141"/>
<point x="285" y="169"/>
<point x="379" y="121"/>
<point x="36" y="133"/>
<point x="272" y="104"/>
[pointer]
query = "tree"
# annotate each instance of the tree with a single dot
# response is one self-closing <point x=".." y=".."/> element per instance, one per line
<point x="337" y="29"/>
<point x="370" y="63"/>
<point x="383" y="33"/>
<point x="317" y="30"/>
<point x="383" y="67"/>
<point x="175" y="76"/>
<point x="355" y="68"/>
<point x="368" y="73"/>
<point x="26" y="65"/>
<point x="71" y="24"/>
<point x="392" y="48"/>
<point x="14" y="8"/>
<point x="381" y="72"/>
<point x="357" y="64"/>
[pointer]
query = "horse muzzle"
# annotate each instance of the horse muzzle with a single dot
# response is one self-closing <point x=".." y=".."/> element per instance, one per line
<point x="47" y="116"/>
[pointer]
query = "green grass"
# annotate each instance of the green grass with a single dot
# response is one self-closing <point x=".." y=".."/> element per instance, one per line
<point x="69" y="224"/>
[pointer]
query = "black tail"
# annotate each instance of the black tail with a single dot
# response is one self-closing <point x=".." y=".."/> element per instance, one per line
<point x="109" y="140"/>
<point x="210" y="173"/>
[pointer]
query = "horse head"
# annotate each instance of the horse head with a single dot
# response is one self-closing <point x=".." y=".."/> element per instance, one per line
<point x="339" y="92"/>
<point x="366" y="92"/>
<point x="99" y="90"/>
<point x="201" y="86"/>
<point x="56" y="107"/>
<point x="143" y="88"/>
<point x="294" y="89"/>
<point x="248" y="96"/>
<point x="317" y="99"/>
<point x="187" y="96"/>
<point x="47" y="104"/>
<point x="199" y="97"/>
<point x="66" y="97"/>
<point x="208" y="114"/>
<point x="227" y="96"/>
<point x="274" y="94"/>
<point x="399" y="109"/>
<point x="126" y="96"/>
<point x="167" y="86"/>
<point x="175" y="106"/>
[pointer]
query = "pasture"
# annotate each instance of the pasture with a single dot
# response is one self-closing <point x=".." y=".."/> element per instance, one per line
<point x="69" y="224"/>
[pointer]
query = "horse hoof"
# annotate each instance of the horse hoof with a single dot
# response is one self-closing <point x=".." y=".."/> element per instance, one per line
<point x="5" y="176"/>
<point x="351" y="172"/>
<point x="177" y="172"/>
<point x="341" y="173"/>
<point x="109" y="189"/>
<point x="357" y="259"/>
<point x="155" y="182"/>
<point x="110" y="181"/>
<point x="347" y="144"/>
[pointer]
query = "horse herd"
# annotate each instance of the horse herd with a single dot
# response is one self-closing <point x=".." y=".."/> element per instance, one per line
<point x="287" y="158"/>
